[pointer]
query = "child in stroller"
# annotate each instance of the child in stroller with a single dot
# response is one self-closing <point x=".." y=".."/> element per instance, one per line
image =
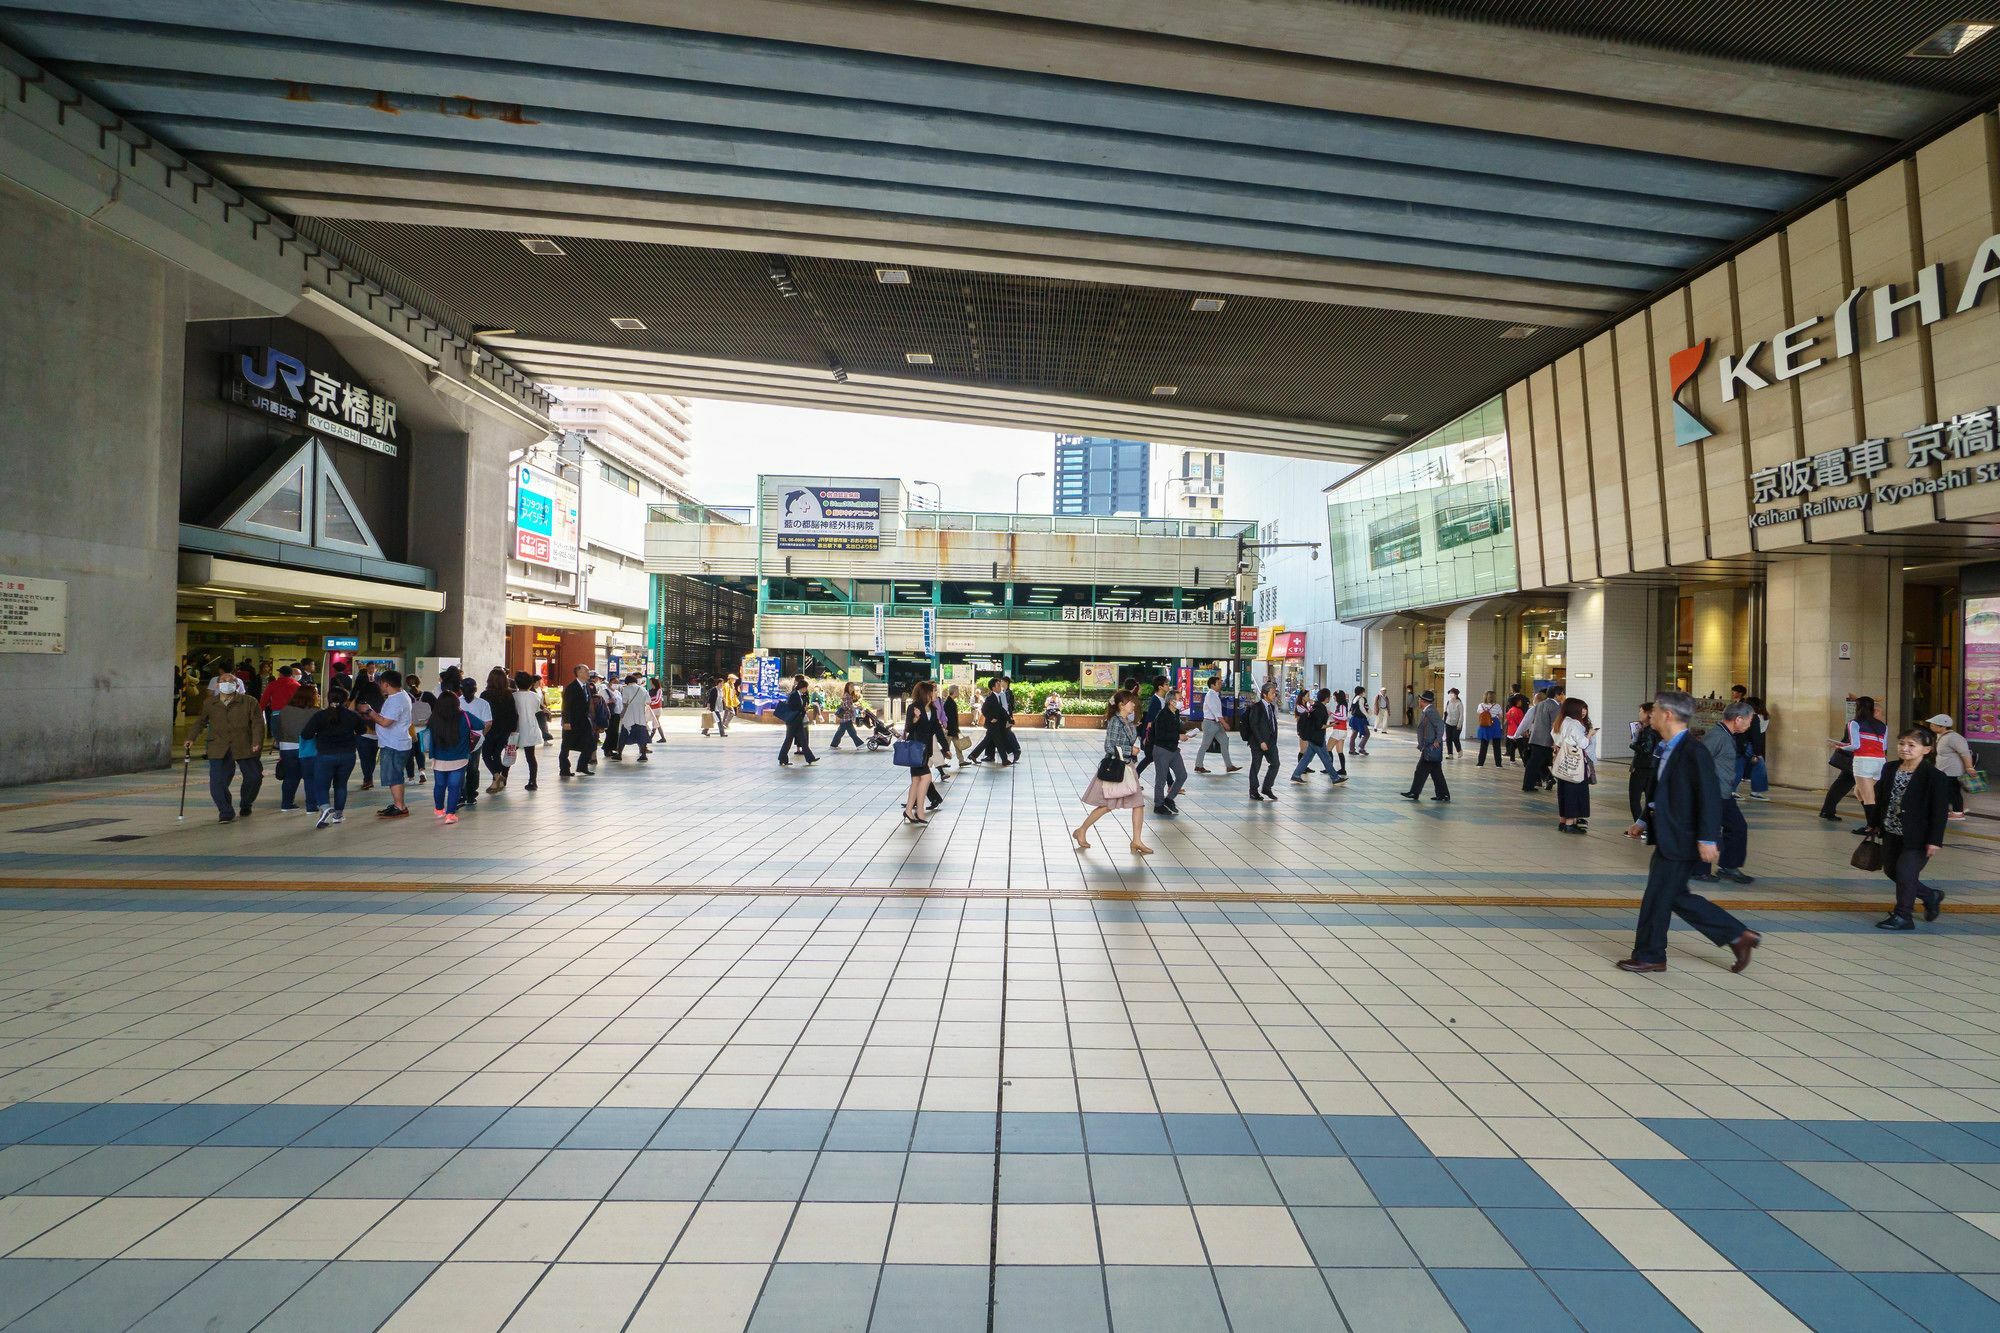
<point x="879" y="735"/>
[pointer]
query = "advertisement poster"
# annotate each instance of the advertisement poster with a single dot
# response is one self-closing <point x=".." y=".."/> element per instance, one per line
<point x="1982" y="669"/>
<point x="1098" y="675"/>
<point x="830" y="518"/>
<point x="545" y="518"/>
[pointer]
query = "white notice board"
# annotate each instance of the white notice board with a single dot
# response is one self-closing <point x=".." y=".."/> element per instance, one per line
<point x="34" y="613"/>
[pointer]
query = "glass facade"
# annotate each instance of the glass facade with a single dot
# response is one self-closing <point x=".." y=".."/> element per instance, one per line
<point x="1100" y="476"/>
<point x="1431" y="525"/>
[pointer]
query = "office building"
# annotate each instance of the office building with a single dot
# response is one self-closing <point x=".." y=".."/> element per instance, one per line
<point x="1101" y="477"/>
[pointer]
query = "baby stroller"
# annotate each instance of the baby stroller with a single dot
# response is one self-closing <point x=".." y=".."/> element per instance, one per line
<point x="879" y="735"/>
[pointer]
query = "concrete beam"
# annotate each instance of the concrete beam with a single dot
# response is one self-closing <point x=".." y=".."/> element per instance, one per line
<point x="1580" y="99"/>
<point x="544" y="210"/>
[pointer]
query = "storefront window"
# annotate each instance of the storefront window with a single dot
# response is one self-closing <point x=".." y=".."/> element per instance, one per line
<point x="1544" y="645"/>
<point x="1433" y="524"/>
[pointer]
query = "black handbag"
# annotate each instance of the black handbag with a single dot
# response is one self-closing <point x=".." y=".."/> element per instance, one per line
<point x="1868" y="856"/>
<point x="1111" y="769"/>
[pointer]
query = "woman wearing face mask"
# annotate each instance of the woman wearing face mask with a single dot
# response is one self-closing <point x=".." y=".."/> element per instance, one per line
<point x="234" y="725"/>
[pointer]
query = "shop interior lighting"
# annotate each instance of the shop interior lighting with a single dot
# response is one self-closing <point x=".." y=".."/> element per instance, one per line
<point x="629" y="325"/>
<point x="1206" y="303"/>
<point x="1952" y="39"/>
<point x="542" y="245"/>
<point x="892" y="277"/>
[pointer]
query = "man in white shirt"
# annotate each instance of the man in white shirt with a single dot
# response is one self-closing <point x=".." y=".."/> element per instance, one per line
<point x="392" y="736"/>
<point x="1214" y="727"/>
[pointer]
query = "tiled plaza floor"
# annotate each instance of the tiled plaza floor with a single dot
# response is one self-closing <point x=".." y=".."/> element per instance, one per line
<point x="1301" y="1082"/>
<point x="708" y="814"/>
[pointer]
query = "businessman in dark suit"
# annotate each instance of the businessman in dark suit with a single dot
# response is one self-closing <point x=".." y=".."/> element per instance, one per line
<point x="1146" y="721"/>
<point x="1686" y="806"/>
<point x="578" y="736"/>
<point x="1259" y="729"/>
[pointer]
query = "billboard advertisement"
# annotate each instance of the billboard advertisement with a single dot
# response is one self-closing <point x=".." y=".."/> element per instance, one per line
<point x="546" y="530"/>
<point x="830" y="518"/>
<point x="1982" y="669"/>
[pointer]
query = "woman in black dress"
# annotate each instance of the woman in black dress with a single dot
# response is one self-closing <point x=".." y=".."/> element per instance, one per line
<point x="922" y="728"/>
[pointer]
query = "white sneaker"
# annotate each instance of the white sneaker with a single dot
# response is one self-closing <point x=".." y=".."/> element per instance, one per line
<point x="1759" y="796"/>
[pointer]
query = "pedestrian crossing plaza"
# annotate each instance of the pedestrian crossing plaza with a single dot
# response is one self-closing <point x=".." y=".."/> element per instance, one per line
<point x="710" y="1045"/>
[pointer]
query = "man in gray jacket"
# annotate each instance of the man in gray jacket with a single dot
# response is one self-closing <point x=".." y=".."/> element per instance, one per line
<point x="1536" y="773"/>
<point x="1430" y="753"/>
<point x="1722" y="745"/>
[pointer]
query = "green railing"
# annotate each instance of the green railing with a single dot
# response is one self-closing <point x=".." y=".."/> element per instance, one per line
<point x="965" y="521"/>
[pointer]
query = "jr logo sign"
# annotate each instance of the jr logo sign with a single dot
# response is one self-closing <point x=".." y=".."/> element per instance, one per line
<point x="1682" y="367"/>
<point x="277" y="366"/>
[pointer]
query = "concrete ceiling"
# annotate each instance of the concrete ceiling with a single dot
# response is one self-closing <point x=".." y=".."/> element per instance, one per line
<point x="1378" y="191"/>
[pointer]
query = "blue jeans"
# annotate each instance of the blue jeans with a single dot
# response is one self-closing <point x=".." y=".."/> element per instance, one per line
<point x="446" y="788"/>
<point x="395" y="765"/>
<point x="1320" y="752"/>
<point x="326" y="776"/>
<point x="1760" y="774"/>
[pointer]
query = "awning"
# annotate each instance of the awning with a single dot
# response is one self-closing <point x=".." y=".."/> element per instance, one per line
<point x="546" y="615"/>
<point x="241" y="578"/>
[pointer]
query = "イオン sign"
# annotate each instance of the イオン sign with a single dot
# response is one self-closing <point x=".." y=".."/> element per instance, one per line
<point x="1800" y="348"/>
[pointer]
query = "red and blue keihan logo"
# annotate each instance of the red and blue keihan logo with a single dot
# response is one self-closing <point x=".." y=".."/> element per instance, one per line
<point x="1682" y="367"/>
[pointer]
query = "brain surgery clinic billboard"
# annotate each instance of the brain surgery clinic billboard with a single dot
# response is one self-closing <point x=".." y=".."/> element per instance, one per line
<point x="545" y="518"/>
<point x="830" y="518"/>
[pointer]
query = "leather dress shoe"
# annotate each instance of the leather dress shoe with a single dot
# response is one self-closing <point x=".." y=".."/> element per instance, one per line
<point x="1742" y="946"/>
<point x="1634" y="965"/>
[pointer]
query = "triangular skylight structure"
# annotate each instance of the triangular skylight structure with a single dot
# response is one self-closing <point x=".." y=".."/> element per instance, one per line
<point x="298" y="496"/>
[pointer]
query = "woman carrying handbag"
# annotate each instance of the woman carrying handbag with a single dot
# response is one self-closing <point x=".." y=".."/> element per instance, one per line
<point x="922" y="735"/>
<point x="1115" y="786"/>
<point x="1916" y="805"/>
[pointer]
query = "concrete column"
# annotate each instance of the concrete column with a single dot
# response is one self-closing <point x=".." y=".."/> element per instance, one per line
<point x="90" y="378"/>
<point x="1606" y="658"/>
<point x="1721" y="641"/>
<point x="458" y="528"/>
<point x="1833" y="627"/>
<point x="1471" y="643"/>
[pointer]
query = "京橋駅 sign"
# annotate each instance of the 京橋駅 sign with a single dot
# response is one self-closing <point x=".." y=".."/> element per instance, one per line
<point x="1961" y="440"/>
<point x="830" y="518"/>
<point x="280" y="385"/>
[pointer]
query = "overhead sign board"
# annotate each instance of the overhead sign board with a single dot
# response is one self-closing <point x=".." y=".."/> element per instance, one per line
<point x="341" y="643"/>
<point x="1146" y="615"/>
<point x="280" y="385"/>
<point x="34" y="614"/>
<point x="830" y="518"/>
<point x="546" y="526"/>
<point x="1951" y="446"/>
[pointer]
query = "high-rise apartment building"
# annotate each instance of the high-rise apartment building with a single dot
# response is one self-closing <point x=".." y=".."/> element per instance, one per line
<point x="624" y="452"/>
<point x="1187" y="483"/>
<point x="1101" y="476"/>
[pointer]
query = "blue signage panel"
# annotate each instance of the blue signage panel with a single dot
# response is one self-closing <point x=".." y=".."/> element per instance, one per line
<point x="341" y="643"/>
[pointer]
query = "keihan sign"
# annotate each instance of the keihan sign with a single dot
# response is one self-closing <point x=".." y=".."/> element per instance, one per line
<point x="1800" y="348"/>
<point x="1961" y="440"/>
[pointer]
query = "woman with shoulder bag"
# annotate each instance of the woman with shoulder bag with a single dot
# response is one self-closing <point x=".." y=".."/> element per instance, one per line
<point x="1916" y="804"/>
<point x="531" y="714"/>
<point x="1573" y="768"/>
<point x="1115" y="786"/>
<point x="922" y="735"/>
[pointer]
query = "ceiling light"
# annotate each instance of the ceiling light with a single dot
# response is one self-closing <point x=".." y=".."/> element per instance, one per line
<point x="1206" y="303"/>
<point x="1397" y="416"/>
<point x="782" y="276"/>
<point x="1951" y="39"/>
<point x="919" y="358"/>
<point x="892" y="277"/>
<point x="542" y="245"/>
<point x="1520" y="331"/>
<point x="1165" y="390"/>
<point x="629" y="325"/>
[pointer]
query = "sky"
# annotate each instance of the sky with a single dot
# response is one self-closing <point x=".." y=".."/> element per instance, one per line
<point x="974" y="466"/>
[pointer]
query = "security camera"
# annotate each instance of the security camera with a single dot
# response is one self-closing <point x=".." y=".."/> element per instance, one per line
<point x="1242" y="566"/>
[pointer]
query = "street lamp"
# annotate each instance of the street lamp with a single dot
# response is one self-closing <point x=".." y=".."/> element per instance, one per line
<point x="1017" y="487"/>
<point x="1243" y="548"/>
<point x="934" y="486"/>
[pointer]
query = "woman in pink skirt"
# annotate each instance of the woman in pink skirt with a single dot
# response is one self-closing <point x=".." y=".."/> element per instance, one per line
<point x="1121" y="740"/>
